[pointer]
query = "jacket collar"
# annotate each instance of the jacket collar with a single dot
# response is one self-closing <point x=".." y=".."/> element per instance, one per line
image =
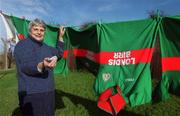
<point x="34" y="40"/>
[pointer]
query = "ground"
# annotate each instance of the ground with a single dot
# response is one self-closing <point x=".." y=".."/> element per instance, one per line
<point x="75" y="97"/>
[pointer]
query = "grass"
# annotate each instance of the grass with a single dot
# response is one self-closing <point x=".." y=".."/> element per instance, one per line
<point x="75" y="97"/>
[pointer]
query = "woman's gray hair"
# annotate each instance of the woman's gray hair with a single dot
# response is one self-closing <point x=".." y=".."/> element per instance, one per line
<point x="36" y="22"/>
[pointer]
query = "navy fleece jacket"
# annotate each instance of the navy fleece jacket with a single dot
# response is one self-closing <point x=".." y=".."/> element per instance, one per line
<point x="28" y="53"/>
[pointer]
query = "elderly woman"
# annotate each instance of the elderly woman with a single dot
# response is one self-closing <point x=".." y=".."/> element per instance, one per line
<point x="35" y="62"/>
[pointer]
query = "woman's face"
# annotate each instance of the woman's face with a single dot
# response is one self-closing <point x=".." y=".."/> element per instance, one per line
<point x="37" y="32"/>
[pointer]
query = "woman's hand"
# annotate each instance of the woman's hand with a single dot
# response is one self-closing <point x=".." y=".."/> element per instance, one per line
<point x="61" y="32"/>
<point x="50" y="62"/>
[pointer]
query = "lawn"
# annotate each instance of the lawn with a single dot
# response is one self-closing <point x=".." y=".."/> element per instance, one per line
<point x="75" y="97"/>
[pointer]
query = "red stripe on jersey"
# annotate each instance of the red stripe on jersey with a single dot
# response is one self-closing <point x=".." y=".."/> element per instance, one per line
<point x="141" y="55"/>
<point x="170" y="63"/>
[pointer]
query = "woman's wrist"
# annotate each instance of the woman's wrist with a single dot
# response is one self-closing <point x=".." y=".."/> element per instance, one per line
<point x="61" y="39"/>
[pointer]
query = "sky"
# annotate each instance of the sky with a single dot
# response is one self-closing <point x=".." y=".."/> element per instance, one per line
<point x="77" y="12"/>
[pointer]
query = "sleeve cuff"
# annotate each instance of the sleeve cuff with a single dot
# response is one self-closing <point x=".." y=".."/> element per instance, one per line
<point x="39" y="69"/>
